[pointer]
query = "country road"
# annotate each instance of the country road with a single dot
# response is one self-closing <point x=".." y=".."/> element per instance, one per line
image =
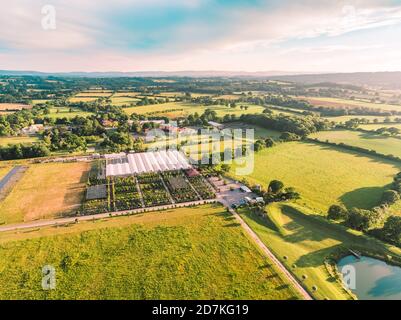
<point x="268" y="253"/>
<point x="61" y="221"/>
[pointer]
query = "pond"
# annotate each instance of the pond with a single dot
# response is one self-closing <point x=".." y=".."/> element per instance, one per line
<point x="374" y="279"/>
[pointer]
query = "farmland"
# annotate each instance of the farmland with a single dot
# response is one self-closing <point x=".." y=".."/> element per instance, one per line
<point x="307" y="242"/>
<point x="198" y="251"/>
<point x="144" y="190"/>
<point x="259" y="132"/>
<point x="322" y="174"/>
<point x="373" y="127"/>
<point x="349" y="104"/>
<point x="45" y="191"/>
<point x="370" y="141"/>
<point x="344" y="119"/>
<point x="166" y="251"/>
<point x="63" y="112"/>
<point x="181" y="109"/>
<point x="13" y="106"/>
<point x="15" y="140"/>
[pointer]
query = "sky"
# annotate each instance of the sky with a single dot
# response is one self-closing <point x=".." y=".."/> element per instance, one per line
<point x="177" y="35"/>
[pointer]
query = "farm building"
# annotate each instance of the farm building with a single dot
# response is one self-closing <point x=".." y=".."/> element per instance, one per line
<point x="32" y="129"/>
<point x="137" y="163"/>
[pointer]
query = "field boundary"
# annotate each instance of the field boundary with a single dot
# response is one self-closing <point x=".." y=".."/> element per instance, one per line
<point x="76" y="219"/>
<point x="10" y="180"/>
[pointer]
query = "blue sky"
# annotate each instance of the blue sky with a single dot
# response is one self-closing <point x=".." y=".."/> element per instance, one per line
<point x="253" y="35"/>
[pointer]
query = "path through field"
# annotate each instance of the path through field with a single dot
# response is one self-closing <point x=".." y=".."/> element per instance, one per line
<point x="10" y="179"/>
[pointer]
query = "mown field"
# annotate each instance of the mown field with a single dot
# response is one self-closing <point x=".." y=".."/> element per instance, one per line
<point x="13" y="106"/>
<point x="63" y="112"/>
<point x="182" y="109"/>
<point x="324" y="175"/>
<point x="259" y="132"/>
<point x="344" y="119"/>
<point x="306" y="242"/>
<point x="188" y="253"/>
<point x="45" y="191"/>
<point x="347" y="103"/>
<point x="373" y="127"/>
<point x="123" y="100"/>
<point x="370" y="141"/>
<point x="4" y="141"/>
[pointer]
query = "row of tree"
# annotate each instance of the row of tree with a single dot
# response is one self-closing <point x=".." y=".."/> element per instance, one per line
<point x="377" y="221"/>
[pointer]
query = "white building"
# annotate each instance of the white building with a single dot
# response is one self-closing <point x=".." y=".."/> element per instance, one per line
<point x="32" y="129"/>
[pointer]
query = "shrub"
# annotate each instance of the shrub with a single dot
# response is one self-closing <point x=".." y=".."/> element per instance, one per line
<point x="337" y="212"/>
<point x="364" y="220"/>
<point x="390" y="197"/>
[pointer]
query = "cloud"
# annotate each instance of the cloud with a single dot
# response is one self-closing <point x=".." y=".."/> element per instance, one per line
<point x="173" y="34"/>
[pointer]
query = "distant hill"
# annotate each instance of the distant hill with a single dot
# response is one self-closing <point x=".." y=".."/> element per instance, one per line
<point x="195" y="74"/>
<point x="384" y="80"/>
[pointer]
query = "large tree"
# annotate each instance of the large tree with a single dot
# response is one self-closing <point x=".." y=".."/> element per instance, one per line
<point x="275" y="186"/>
<point x="392" y="229"/>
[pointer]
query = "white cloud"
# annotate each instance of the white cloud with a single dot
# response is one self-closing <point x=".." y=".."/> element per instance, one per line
<point x="246" y="38"/>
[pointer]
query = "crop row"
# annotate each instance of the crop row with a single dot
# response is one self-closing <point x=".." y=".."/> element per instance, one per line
<point x="203" y="188"/>
<point x="179" y="187"/>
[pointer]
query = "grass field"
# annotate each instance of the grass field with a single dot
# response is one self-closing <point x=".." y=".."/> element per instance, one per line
<point x="182" y="109"/>
<point x="131" y="94"/>
<point x="64" y="112"/>
<point x="324" y="175"/>
<point x="188" y="253"/>
<point x="93" y="94"/>
<point x="370" y="141"/>
<point x="306" y="242"/>
<point x="344" y="119"/>
<point x="34" y="102"/>
<point x="45" y="191"/>
<point x="373" y="127"/>
<point x="4" y="169"/>
<point x="259" y="132"/>
<point x="82" y="99"/>
<point x="120" y="101"/>
<point x="4" y="141"/>
<point x="13" y="106"/>
<point x="341" y="103"/>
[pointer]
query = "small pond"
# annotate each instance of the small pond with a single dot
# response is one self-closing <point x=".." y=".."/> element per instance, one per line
<point x="374" y="279"/>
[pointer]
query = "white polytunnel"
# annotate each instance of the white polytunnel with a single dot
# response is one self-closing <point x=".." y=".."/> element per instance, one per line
<point x="136" y="163"/>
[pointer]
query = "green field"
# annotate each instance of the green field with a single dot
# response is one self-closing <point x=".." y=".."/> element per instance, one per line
<point x="82" y="99"/>
<point x="324" y="175"/>
<point x="306" y="241"/>
<point x="348" y="103"/>
<point x="64" y="112"/>
<point x="344" y="119"/>
<point x="189" y="253"/>
<point x="121" y="100"/>
<point x="370" y="141"/>
<point x="374" y="127"/>
<point x="182" y="109"/>
<point x="259" y="132"/>
<point x="15" y="140"/>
